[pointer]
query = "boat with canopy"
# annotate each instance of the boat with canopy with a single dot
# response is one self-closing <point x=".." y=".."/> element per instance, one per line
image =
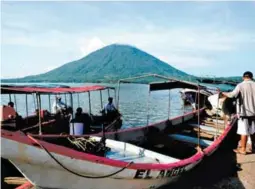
<point x="142" y="157"/>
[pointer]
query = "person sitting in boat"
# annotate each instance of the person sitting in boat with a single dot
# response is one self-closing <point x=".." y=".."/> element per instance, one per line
<point x="58" y="105"/>
<point x="69" y="112"/>
<point x="84" y="118"/>
<point x="8" y="112"/>
<point x="11" y="106"/>
<point x="187" y="97"/>
<point x="45" y="115"/>
<point x="110" y="111"/>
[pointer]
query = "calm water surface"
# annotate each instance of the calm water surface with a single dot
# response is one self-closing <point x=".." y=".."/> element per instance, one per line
<point x="133" y="104"/>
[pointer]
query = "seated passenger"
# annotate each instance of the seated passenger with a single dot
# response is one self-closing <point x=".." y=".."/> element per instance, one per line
<point x="69" y="112"/>
<point x="58" y="105"/>
<point x="8" y="112"/>
<point x="84" y="118"/>
<point x="45" y="115"/>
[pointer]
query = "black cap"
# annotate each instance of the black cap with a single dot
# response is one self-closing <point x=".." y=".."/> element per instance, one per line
<point x="248" y="74"/>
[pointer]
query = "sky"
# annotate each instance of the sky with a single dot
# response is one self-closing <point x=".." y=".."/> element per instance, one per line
<point x="200" y="38"/>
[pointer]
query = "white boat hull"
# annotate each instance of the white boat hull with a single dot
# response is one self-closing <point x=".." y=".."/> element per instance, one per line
<point x="43" y="171"/>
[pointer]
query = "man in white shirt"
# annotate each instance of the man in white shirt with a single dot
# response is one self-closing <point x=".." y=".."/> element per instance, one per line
<point x="109" y="107"/>
<point x="58" y="105"/>
<point x="110" y="111"/>
<point x="245" y="110"/>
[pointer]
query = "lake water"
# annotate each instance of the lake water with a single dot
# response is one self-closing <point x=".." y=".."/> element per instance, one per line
<point x="133" y="103"/>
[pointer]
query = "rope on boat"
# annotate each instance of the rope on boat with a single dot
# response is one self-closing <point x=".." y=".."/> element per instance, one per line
<point x="77" y="174"/>
<point x="81" y="142"/>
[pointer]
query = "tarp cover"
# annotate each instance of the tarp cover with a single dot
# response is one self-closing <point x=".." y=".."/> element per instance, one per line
<point x="53" y="90"/>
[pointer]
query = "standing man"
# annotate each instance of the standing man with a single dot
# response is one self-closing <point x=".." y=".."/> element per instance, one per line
<point x="110" y="111"/>
<point x="245" y="110"/>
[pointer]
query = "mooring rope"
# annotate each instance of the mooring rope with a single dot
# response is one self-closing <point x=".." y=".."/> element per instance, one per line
<point x="77" y="174"/>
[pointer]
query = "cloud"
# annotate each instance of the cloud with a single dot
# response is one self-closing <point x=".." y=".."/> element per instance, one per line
<point x="93" y="44"/>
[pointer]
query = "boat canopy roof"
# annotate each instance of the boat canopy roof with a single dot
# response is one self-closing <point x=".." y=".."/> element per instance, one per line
<point x="189" y="85"/>
<point x="173" y="85"/>
<point x="8" y="89"/>
<point x="217" y="81"/>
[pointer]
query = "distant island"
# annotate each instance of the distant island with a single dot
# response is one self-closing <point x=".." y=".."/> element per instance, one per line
<point x="108" y="65"/>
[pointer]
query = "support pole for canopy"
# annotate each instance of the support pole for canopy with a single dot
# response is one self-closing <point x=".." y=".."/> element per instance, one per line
<point x="15" y="102"/>
<point x="108" y="91"/>
<point x="217" y="114"/>
<point x="101" y="99"/>
<point x="38" y="97"/>
<point x="115" y="96"/>
<point x="198" y="135"/>
<point x="10" y="98"/>
<point x="89" y="103"/>
<point x="71" y="102"/>
<point x="26" y="109"/>
<point x="169" y="103"/>
<point x="65" y="99"/>
<point x="148" y="108"/>
<point x="78" y="99"/>
<point x="183" y="107"/>
<point x="35" y="105"/>
<point x="49" y="103"/>
<point x="118" y="95"/>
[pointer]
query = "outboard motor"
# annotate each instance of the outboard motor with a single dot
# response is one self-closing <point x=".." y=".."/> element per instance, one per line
<point x="229" y="106"/>
<point x="216" y="103"/>
<point x="222" y="105"/>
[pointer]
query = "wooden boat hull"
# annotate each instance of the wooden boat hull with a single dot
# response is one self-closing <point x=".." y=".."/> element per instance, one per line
<point x="140" y="135"/>
<point x="43" y="171"/>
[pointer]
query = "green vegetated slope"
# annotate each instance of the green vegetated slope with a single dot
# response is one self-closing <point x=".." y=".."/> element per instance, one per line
<point x="108" y="64"/>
